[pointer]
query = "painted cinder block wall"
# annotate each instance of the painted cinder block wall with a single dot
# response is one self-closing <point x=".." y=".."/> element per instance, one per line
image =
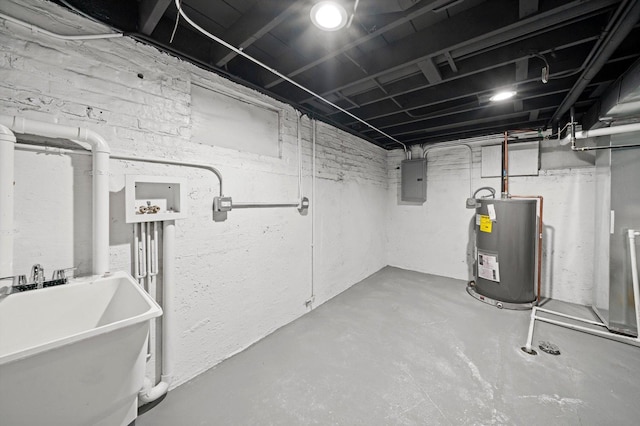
<point x="238" y="280"/>
<point x="437" y="237"/>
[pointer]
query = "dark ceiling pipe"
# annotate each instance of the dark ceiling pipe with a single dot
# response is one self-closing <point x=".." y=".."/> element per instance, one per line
<point x="628" y="13"/>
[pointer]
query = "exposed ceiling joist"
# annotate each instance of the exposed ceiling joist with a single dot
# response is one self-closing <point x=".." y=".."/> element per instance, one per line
<point x="430" y="71"/>
<point x="528" y="7"/>
<point x="294" y="70"/>
<point x="267" y="15"/>
<point x="497" y="25"/>
<point x="149" y="14"/>
<point x="570" y="37"/>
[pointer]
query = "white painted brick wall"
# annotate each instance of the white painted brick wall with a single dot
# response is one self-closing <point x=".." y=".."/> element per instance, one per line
<point x="437" y="237"/>
<point x="238" y="280"/>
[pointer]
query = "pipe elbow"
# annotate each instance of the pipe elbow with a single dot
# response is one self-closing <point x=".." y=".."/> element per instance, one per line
<point x="150" y="394"/>
<point x="6" y="134"/>
<point x="97" y="142"/>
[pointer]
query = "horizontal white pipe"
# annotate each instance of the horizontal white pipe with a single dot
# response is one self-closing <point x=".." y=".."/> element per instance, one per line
<point x="7" y="146"/>
<point x="58" y="36"/>
<point x="101" y="151"/>
<point x="560" y="314"/>
<point x="606" y="334"/>
<point x="604" y="131"/>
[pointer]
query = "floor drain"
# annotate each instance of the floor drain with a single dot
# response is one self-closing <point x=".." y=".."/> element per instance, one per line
<point x="549" y="348"/>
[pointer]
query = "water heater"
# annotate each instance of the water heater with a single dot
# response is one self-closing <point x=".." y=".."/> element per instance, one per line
<point x="505" y="253"/>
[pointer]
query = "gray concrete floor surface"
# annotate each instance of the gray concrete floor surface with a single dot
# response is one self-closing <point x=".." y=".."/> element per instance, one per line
<point x="406" y="348"/>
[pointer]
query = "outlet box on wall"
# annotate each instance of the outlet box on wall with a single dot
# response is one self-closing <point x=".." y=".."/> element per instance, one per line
<point x="154" y="198"/>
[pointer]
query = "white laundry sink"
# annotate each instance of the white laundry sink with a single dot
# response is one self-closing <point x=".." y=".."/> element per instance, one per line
<point x="74" y="354"/>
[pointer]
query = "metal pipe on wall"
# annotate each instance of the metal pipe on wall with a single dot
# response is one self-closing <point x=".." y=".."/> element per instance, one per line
<point x="299" y="203"/>
<point x="505" y="166"/>
<point x="426" y="150"/>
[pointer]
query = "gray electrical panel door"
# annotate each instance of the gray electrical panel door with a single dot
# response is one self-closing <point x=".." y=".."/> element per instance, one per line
<point x="414" y="180"/>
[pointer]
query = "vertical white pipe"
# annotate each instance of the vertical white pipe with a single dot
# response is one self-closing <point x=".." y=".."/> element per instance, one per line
<point x="147" y="226"/>
<point x="313" y="205"/>
<point x="168" y="285"/>
<point x="7" y="145"/>
<point x="634" y="278"/>
<point x="100" y="212"/>
<point x="530" y="334"/>
<point x="143" y="252"/>
<point x="149" y="393"/>
<point x="136" y="253"/>
<point x="299" y="160"/>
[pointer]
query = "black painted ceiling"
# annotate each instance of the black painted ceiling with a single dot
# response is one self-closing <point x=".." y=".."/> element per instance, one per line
<point x="420" y="70"/>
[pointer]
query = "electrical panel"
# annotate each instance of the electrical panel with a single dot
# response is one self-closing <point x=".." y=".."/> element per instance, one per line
<point x="414" y="180"/>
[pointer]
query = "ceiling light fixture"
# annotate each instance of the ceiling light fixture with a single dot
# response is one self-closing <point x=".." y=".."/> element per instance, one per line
<point x="503" y="96"/>
<point x="328" y="15"/>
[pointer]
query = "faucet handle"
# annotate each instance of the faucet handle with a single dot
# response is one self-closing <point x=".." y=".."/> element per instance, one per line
<point x="61" y="274"/>
<point x="19" y="284"/>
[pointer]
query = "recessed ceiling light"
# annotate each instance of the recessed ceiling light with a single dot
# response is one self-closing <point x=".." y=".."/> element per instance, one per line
<point x="328" y="15"/>
<point x="503" y="96"/>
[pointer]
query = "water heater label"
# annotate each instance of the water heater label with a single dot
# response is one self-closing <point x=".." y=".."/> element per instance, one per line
<point x="488" y="267"/>
<point x="485" y="223"/>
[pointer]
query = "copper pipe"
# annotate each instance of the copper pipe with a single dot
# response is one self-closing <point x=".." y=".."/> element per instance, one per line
<point x="540" y="232"/>
<point x="505" y="165"/>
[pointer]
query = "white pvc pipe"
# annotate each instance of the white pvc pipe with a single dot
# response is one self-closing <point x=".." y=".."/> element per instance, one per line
<point x="634" y="276"/>
<point x="7" y="146"/>
<point x="605" y="131"/>
<point x="148" y="393"/>
<point x="573" y="317"/>
<point x="101" y="151"/>
<point x="313" y="207"/>
<point x="530" y="333"/>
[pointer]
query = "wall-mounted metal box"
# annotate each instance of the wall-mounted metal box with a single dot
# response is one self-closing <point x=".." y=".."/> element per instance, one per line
<point x="414" y="180"/>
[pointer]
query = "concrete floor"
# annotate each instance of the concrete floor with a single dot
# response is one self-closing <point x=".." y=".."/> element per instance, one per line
<point x="405" y="348"/>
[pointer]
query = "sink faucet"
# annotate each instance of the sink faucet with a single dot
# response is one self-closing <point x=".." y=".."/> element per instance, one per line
<point x="37" y="275"/>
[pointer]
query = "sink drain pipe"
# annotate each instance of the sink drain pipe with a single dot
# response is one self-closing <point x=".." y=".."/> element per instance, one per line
<point x="100" y="208"/>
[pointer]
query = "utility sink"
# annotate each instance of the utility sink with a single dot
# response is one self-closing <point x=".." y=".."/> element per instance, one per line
<point x="74" y="354"/>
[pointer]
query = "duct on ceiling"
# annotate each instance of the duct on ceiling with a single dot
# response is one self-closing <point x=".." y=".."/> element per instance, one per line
<point x="621" y="102"/>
